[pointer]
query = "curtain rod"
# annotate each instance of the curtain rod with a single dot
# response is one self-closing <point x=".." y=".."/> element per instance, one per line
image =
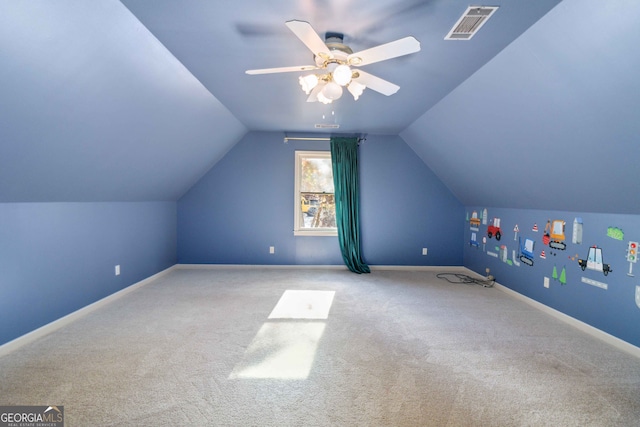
<point x="293" y="138"/>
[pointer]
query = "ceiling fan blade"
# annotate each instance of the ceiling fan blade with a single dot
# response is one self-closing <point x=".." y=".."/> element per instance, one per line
<point x="282" y="69"/>
<point x="305" y="32"/>
<point x="313" y="96"/>
<point x="385" y="51"/>
<point x="376" y="83"/>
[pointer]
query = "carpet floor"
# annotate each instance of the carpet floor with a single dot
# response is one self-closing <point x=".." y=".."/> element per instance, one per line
<point x="319" y="347"/>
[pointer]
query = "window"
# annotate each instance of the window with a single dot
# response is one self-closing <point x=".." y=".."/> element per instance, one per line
<point x="315" y="208"/>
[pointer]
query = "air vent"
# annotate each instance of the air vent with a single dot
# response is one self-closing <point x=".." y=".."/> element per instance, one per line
<point x="326" y="126"/>
<point x="470" y="22"/>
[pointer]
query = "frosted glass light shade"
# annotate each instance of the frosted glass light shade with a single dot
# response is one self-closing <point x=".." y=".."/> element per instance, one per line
<point x="324" y="99"/>
<point x="356" y="89"/>
<point x="332" y="91"/>
<point x="308" y="82"/>
<point x="342" y="75"/>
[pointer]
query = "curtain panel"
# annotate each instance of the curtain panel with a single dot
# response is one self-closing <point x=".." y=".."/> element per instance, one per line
<point x="344" y="158"/>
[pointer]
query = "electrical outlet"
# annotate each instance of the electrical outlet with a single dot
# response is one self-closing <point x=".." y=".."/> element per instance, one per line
<point x="546" y="282"/>
<point x="117" y="270"/>
<point x="272" y="249"/>
<point x="424" y="251"/>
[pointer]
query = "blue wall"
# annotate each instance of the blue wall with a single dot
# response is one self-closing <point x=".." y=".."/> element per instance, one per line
<point x="405" y="207"/>
<point x="244" y="204"/>
<point x="613" y="310"/>
<point x="56" y="258"/>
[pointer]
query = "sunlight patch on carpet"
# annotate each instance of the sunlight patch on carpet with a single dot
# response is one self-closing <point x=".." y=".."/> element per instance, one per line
<point x="281" y="350"/>
<point x="286" y="344"/>
<point x="303" y="305"/>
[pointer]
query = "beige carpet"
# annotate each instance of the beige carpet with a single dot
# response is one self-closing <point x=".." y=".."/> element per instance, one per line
<point x="397" y="348"/>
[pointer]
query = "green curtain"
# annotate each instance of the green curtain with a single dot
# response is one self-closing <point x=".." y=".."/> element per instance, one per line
<point x="344" y="158"/>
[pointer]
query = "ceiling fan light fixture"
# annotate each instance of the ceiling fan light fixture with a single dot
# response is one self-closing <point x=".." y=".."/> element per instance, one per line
<point x="308" y="82"/>
<point x="342" y="75"/>
<point x="323" y="99"/>
<point x="335" y="62"/>
<point x="331" y="91"/>
<point x="356" y="89"/>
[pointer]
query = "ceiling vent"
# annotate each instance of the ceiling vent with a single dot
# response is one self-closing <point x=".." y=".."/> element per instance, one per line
<point x="326" y="126"/>
<point x="470" y="22"/>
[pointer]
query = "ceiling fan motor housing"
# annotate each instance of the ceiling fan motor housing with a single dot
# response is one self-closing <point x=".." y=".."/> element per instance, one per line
<point x="338" y="52"/>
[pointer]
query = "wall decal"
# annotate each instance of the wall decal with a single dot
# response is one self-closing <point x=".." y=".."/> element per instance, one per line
<point x="502" y="252"/>
<point x="493" y="254"/>
<point x="474" y="222"/>
<point x="638" y="296"/>
<point x="543" y="255"/>
<point x="484" y="244"/>
<point x="474" y="240"/>
<point x="535" y="228"/>
<point x="546" y="237"/>
<point x="526" y="251"/>
<point x="577" y="231"/>
<point x="563" y="275"/>
<point x="484" y="216"/>
<point x="514" y="259"/>
<point x="615" y="233"/>
<point x="494" y="229"/>
<point x="595" y="283"/>
<point x="554" y="234"/>
<point x="632" y="256"/>
<point x="515" y="230"/>
<point x="594" y="261"/>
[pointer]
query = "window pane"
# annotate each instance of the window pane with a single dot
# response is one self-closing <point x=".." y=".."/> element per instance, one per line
<point x="319" y="210"/>
<point x="317" y="175"/>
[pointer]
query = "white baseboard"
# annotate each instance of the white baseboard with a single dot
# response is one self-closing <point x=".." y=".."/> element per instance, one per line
<point x="320" y="267"/>
<point x="584" y="327"/>
<point x="439" y="268"/>
<point x="71" y="317"/>
<point x="255" y="266"/>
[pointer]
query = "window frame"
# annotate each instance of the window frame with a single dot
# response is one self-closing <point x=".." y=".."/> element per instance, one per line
<point x="298" y="222"/>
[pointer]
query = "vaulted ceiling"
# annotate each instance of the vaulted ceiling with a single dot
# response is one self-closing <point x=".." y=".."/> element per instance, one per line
<point x="136" y="100"/>
<point x="218" y="41"/>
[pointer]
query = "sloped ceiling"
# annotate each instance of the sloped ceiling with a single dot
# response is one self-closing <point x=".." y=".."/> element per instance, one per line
<point x="552" y="122"/>
<point x="136" y="100"/>
<point x="94" y="108"/>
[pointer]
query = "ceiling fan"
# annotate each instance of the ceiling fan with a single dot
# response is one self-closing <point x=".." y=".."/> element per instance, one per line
<point x="335" y="64"/>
